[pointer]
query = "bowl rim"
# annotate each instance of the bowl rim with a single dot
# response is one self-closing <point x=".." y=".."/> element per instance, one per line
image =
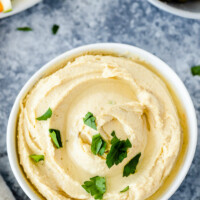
<point x="175" y="11"/>
<point x="19" y="7"/>
<point x="120" y="49"/>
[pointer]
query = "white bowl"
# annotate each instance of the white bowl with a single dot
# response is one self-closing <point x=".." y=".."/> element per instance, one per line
<point x="19" y="6"/>
<point x="120" y="49"/>
<point x="188" y="10"/>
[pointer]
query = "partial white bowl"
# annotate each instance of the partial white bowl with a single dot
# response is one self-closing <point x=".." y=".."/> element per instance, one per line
<point x="190" y="9"/>
<point x="19" y="6"/>
<point x="120" y="49"/>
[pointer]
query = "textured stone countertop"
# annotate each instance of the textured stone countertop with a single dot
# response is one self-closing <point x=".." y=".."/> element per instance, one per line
<point x="173" y="39"/>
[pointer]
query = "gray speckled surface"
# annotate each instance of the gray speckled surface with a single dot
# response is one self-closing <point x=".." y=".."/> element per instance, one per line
<point x="175" y="40"/>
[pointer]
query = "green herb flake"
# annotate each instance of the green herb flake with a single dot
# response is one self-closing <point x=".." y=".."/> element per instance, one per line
<point x="96" y="186"/>
<point x="118" y="150"/>
<point x="130" y="167"/>
<point x="90" y="120"/>
<point x="36" y="158"/>
<point x="98" y="145"/>
<point x="56" y="138"/>
<point x="54" y="29"/>
<point x="24" y="29"/>
<point x="125" y="189"/>
<point x="195" y="70"/>
<point x="46" y="115"/>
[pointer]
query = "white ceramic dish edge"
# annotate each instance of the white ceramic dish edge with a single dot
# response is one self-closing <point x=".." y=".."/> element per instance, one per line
<point x="121" y="49"/>
<point x="19" y="7"/>
<point x="173" y="10"/>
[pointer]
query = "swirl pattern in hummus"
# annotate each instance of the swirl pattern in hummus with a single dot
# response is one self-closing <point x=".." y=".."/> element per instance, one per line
<point x="123" y="96"/>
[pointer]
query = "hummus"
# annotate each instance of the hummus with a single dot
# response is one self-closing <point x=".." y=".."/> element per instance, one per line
<point x="124" y="96"/>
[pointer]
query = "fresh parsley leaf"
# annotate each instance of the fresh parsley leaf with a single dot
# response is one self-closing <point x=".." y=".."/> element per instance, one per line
<point x="125" y="189"/>
<point x="24" y="28"/>
<point x="118" y="150"/>
<point x="130" y="167"/>
<point x="56" y="138"/>
<point x="90" y="120"/>
<point x="98" y="145"/>
<point x="46" y="115"/>
<point x="96" y="186"/>
<point x="36" y="158"/>
<point x="103" y="148"/>
<point x="54" y="29"/>
<point x="195" y="70"/>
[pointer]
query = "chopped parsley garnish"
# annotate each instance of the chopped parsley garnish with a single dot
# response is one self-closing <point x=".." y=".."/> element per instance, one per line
<point x="56" y="138"/>
<point x="24" y="28"/>
<point x="36" y="158"/>
<point x="125" y="189"/>
<point x="90" y="120"/>
<point x="46" y="115"/>
<point x="118" y="150"/>
<point x="195" y="70"/>
<point x="98" y="145"/>
<point x="96" y="186"/>
<point x="54" y="29"/>
<point x="130" y="167"/>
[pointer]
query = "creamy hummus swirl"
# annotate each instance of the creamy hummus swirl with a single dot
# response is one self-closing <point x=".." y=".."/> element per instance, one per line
<point x="123" y="96"/>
